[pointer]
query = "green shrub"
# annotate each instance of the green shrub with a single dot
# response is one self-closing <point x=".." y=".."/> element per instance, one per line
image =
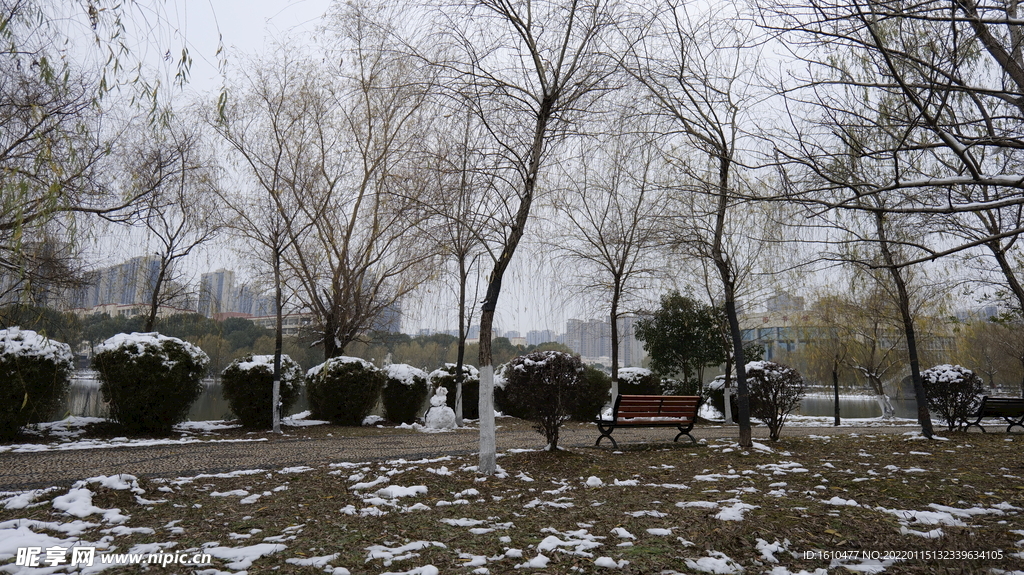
<point x="35" y="374"/>
<point x="405" y="393"/>
<point x="954" y="392"/>
<point x="775" y="392"/>
<point x="547" y="387"/>
<point x="638" y="381"/>
<point x="248" y="385"/>
<point x="595" y="394"/>
<point x="470" y="387"/>
<point x="149" y="380"/>
<point x="343" y="390"/>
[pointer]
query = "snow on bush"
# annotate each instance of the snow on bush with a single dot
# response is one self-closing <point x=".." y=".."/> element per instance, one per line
<point x="248" y="386"/>
<point x="954" y="392"/>
<point x="470" y="387"/>
<point x="35" y="373"/>
<point x="545" y="387"/>
<point x="149" y="380"/>
<point x="343" y="390"/>
<point x="638" y="381"/>
<point x="775" y="392"/>
<point x="404" y="393"/>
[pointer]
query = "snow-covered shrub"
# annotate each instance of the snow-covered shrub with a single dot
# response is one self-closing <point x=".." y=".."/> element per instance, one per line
<point x="595" y="394"/>
<point x="248" y="385"/>
<point x="775" y="392"/>
<point x="343" y="390"/>
<point x="470" y="387"/>
<point x="35" y="372"/>
<point x="954" y="392"/>
<point x="547" y="388"/>
<point x="638" y="381"/>
<point x="149" y="380"/>
<point x="404" y="393"/>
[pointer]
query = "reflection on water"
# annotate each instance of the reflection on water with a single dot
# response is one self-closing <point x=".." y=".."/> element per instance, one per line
<point x="858" y="406"/>
<point x="85" y="400"/>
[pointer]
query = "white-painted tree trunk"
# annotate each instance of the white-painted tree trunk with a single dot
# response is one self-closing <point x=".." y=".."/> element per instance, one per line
<point x="728" y="406"/>
<point x="488" y="447"/>
<point x="276" y="402"/>
<point x="888" y="411"/>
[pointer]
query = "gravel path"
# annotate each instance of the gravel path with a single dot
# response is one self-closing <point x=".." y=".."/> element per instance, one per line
<point x="19" y="471"/>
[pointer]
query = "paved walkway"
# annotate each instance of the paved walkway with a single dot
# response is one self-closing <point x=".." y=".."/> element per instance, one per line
<point x="19" y="471"/>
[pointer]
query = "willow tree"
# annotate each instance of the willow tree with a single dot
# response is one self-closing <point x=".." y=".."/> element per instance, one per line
<point x="696" y="65"/>
<point x="528" y="70"/>
<point x="615" y="211"/>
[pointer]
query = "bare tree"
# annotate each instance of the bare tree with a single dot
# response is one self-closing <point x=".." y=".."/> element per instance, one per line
<point x="615" y="209"/>
<point x="175" y="170"/>
<point x="455" y="199"/>
<point x="257" y="125"/>
<point x="259" y="222"/>
<point x="528" y="70"/>
<point x="697" y="69"/>
<point x="337" y="146"/>
<point x="944" y="82"/>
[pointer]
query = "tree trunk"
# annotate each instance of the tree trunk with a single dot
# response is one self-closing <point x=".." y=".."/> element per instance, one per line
<point x="278" y="342"/>
<point x="463" y="278"/>
<point x="742" y="394"/>
<point x="330" y="338"/>
<point x="488" y="446"/>
<point x="615" y="338"/>
<point x="903" y="296"/>
<point x="154" y="302"/>
<point x="835" y="387"/>
<point x="721" y="260"/>
<point x="1007" y="268"/>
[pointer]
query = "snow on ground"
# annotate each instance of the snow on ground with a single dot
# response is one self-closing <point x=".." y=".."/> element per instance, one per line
<point x="69" y="430"/>
<point x="381" y="490"/>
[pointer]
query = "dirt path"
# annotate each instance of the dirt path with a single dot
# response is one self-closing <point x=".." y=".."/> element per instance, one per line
<point x="19" y="471"/>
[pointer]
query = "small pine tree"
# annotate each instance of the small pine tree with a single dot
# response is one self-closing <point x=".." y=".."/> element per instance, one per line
<point x="404" y="393"/>
<point x="248" y="385"/>
<point x="149" y="380"/>
<point x="775" y="392"/>
<point x="954" y="392"/>
<point x="343" y="390"/>
<point x="547" y="388"/>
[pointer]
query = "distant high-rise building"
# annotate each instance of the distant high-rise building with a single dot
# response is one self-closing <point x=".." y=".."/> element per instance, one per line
<point x="537" y="337"/>
<point x="128" y="283"/>
<point x="217" y="293"/>
<point x="593" y="339"/>
<point x="784" y="301"/>
<point x="512" y="334"/>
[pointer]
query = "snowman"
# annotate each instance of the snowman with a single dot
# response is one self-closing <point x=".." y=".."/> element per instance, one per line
<point x="439" y="416"/>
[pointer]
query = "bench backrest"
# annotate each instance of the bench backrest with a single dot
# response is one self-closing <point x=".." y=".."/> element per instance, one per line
<point x="1002" y="405"/>
<point x="682" y="407"/>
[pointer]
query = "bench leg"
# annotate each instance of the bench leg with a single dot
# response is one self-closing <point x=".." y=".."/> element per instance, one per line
<point x="687" y="434"/>
<point x="606" y="432"/>
<point x="1017" y="423"/>
<point x="975" y="424"/>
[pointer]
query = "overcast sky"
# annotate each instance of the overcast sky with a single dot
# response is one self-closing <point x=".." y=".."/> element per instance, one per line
<point x="245" y="26"/>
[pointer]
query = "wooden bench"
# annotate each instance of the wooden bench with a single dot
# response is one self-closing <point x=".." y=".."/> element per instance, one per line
<point x="1011" y="409"/>
<point x="678" y="411"/>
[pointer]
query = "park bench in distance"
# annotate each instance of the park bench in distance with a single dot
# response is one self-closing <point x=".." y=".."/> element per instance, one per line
<point x="1011" y="409"/>
<point x="678" y="411"/>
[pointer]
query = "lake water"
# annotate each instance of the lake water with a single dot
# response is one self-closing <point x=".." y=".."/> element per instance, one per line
<point x="85" y="399"/>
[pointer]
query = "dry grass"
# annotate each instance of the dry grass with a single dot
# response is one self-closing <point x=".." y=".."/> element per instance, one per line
<point x="884" y="471"/>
